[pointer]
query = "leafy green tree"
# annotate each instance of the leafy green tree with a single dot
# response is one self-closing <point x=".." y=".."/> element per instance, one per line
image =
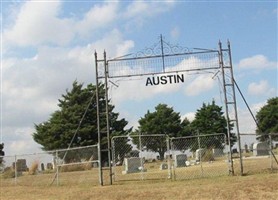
<point x="267" y="119"/>
<point x="164" y="120"/>
<point x="58" y="131"/>
<point x="183" y="142"/>
<point x="2" y="153"/>
<point x="209" y="120"/>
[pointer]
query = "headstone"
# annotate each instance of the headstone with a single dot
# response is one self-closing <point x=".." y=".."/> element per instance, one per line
<point x="217" y="152"/>
<point x="20" y="165"/>
<point x="42" y="166"/>
<point x="133" y="165"/>
<point x="200" y="153"/>
<point x="49" y="166"/>
<point x="95" y="164"/>
<point x="163" y="166"/>
<point x="260" y="149"/>
<point x="234" y="151"/>
<point x="246" y="148"/>
<point x="180" y="160"/>
<point x="168" y="156"/>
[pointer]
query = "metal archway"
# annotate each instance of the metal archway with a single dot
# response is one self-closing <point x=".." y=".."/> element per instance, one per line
<point x="162" y="59"/>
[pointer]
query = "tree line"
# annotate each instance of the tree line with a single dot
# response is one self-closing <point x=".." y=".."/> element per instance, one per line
<point x="58" y="131"/>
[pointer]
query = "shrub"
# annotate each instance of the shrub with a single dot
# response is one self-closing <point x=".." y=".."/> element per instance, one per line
<point x="208" y="155"/>
<point x="9" y="173"/>
<point x="34" y="168"/>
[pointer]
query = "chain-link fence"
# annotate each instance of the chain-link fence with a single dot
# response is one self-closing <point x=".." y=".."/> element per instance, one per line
<point x="143" y="157"/>
<point x="199" y="156"/>
<point x="138" y="157"/>
<point x="158" y="157"/>
<point x="61" y="167"/>
<point x="259" y="153"/>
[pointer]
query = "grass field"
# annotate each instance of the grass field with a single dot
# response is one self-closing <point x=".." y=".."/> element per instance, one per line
<point x="258" y="182"/>
<point x="259" y="186"/>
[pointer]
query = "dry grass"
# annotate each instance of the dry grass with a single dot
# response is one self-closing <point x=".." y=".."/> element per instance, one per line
<point x="261" y="186"/>
<point x="34" y="168"/>
<point x="258" y="183"/>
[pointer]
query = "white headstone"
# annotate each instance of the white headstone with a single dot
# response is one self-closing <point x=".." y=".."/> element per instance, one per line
<point x="180" y="160"/>
<point x="133" y="165"/>
<point x="200" y="153"/>
<point x="217" y="152"/>
<point x="260" y="149"/>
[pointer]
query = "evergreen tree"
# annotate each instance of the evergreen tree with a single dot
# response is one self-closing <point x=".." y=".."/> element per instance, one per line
<point x="2" y="153"/>
<point x="164" y="120"/>
<point x="209" y="120"/>
<point x="58" y="131"/>
<point x="267" y="119"/>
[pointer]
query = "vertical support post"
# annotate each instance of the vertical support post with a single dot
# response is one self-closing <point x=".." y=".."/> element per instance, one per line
<point x="231" y="166"/>
<point x="98" y="124"/>
<point x="200" y="153"/>
<point x="113" y="158"/>
<point x="270" y="152"/>
<point x="141" y="156"/>
<point x="57" y="168"/>
<point x="107" y="118"/>
<point x="162" y="53"/>
<point x="168" y="159"/>
<point x="235" y="109"/>
<point x="15" y="170"/>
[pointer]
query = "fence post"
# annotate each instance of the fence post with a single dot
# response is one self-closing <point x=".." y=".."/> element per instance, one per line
<point x="113" y="158"/>
<point x="168" y="159"/>
<point x="15" y="170"/>
<point x="141" y="157"/>
<point x="270" y="152"/>
<point x="57" y="167"/>
<point x="200" y="154"/>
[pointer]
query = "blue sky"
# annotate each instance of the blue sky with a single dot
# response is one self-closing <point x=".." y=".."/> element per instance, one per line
<point x="46" y="45"/>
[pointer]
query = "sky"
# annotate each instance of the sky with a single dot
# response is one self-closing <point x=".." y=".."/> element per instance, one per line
<point x="46" y="45"/>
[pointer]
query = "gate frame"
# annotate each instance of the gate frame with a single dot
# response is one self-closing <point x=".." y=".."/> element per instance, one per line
<point x="225" y="65"/>
<point x="140" y="135"/>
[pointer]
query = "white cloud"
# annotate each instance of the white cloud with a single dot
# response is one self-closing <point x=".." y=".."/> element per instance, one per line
<point x="138" y="12"/>
<point x="261" y="89"/>
<point x="97" y="17"/>
<point x="246" y="121"/>
<point x="256" y="62"/>
<point x="147" y="9"/>
<point x="200" y="84"/>
<point x="19" y="140"/>
<point x="190" y="116"/>
<point x="37" y="23"/>
<point x="175" y="33"/>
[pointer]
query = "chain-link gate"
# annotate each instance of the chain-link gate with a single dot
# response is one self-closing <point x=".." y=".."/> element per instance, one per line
<point x="141" y="157"/>
<point x="199" y="156"/>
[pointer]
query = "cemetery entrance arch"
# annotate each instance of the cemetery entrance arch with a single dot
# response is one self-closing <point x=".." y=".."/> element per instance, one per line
<point x="163" y="63"/>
